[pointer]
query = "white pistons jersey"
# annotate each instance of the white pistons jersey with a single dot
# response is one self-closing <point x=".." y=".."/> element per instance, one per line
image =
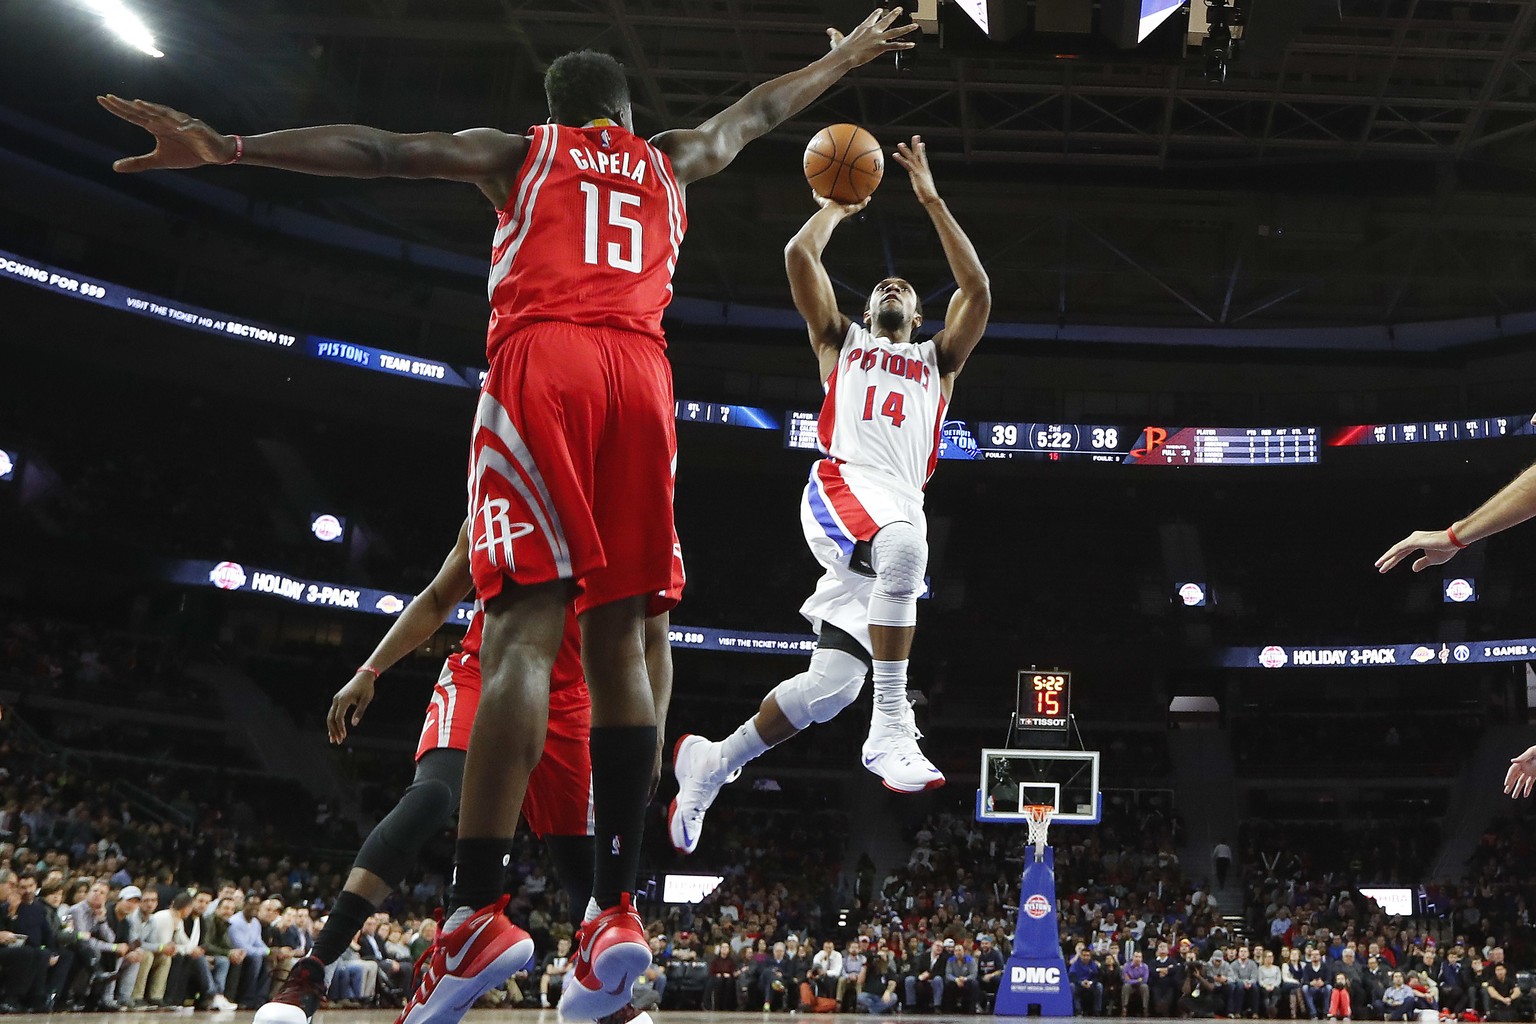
<point x="884" y="407"/>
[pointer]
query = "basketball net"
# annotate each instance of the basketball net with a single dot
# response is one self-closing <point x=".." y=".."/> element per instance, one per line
<point x="1039" y="821"/>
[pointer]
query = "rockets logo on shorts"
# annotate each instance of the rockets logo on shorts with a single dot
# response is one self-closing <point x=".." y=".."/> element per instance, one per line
<point x="497" y="532"/>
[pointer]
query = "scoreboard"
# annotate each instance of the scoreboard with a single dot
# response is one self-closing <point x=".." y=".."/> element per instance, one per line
<point x="1428" y="431"/>
<point x="1224" y="446"/>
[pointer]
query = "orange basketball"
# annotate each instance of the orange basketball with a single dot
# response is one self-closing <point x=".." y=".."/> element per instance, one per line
<point x="844" y="163"/>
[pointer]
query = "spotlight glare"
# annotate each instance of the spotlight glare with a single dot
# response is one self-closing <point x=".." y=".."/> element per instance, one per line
<point x="126" y="25"/>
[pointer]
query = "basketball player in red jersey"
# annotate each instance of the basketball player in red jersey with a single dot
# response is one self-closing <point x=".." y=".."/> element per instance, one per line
<point x="862" y="510"/>
<point x="572" y="454"/>
<point x="558" y="800"/>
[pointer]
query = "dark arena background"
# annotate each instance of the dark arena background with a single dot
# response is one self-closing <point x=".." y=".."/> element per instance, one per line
<point x="1263" y="303"/>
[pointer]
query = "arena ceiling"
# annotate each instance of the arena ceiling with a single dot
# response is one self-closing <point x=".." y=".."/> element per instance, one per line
<point x="1376" y="168"/>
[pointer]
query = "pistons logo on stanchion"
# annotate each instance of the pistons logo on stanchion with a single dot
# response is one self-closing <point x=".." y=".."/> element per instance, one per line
<point x="1037" y="906"/>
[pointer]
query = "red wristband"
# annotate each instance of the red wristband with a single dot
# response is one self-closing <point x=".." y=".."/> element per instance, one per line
<point x="367" y="668"/>
<point x="1450" y="532"/>
<point x="239" y="151"/>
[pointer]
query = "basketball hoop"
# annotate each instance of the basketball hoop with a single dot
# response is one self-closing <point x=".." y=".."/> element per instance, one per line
<point x="1039" y="820"/>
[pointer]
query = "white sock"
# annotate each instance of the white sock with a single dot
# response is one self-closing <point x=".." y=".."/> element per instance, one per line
<point x="593" y="910"/>
<point x="458" y="917"/>
<point x="890" y="678"/>
<point x="741" y="746"/>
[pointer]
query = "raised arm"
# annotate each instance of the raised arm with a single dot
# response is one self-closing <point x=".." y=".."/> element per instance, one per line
<point x="966" y="319"/>
<point x="421" y="618"/>
<point x="1509" y="507"/>
<point x="708" y="149"/>
<point x="483" y="157"/>
<point x="810" y="286"/>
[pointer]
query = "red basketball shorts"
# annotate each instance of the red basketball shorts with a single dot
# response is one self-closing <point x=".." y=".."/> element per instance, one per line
<point x="571" y="465"/>
<point x="559" y="796"/>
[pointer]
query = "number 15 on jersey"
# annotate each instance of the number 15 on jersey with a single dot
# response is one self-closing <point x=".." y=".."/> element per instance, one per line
<point x="624" y="254"/>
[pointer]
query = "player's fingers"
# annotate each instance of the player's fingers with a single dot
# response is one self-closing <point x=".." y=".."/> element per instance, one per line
<point x="1422" y="563"/>
<point x="123" y="109"/>
<point x="336" y="721"/>
<point x="1392" y="557"/>
<point x="133" y="164"/>
<point x="888" y="17"/>
<point x="357" y="712"/>
<point x="874" y="17"/>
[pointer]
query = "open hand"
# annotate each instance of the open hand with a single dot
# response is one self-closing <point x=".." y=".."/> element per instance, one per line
<point x="914" y="157"/>
<point x="1436" y="545"/>
<point x="356" y="694"/>
<point x="1522" y="774"/>
<point x="873" y="37"/>
<point x="181" y="140"/>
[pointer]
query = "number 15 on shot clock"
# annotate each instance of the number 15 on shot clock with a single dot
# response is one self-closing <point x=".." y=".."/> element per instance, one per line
<point x="1045" y="700"/>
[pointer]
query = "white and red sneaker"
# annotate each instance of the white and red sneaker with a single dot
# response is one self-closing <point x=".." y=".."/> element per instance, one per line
<point x="699" y="778"/>
<point x="611" y="952"/>
<point x="465" y="963"/>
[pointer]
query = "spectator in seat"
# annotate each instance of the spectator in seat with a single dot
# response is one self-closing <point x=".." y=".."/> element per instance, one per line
<point x="1338" y="999"/>
<point x="553" y="971"/>
<point x="1453" y="984"/>
<point x="925" y="979"/>
<point x="1316" y="985"/>
<point x="39" y="922"/>
<point x="960" y="979"/>
<point x="1087" y="979"/>
<point x="125" y="928"/>
<point x="720" y="986"/>
<point x="848" y="981"/>
<point x="130" y="990"/>
<point x="877" y="983"/>
<point x="1200" y="997"/>
<point x="1502" y="994"/>
<point x="1354" y="975"/>
<point x="220" y="952"/>
<point x="393" y="974"/>
<point x="1112" y="980"/>
<point x="1134" y="980"/>
<point x="774" y="977"/>
<point x="1166" y="981"/>
<point x="346" y="977"/>
<point x="1398" y="1002"/>
<point x="1425" y="989"/>
<point x="245" y="935"/>
<point x="279" y="955"/>
<point x="97" y="947"/>
<point x="180" y="964"/>
<point x="990" y="968"/>
<point x="23" y="965"/>
<point x="1243" y="985"/>
<point x="827" y="970"/>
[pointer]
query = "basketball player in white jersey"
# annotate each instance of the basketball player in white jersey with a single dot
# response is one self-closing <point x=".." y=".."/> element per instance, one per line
<point x="863" y="508"/>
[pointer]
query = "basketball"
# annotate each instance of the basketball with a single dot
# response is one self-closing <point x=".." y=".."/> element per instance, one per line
<point x="844" y="163"/>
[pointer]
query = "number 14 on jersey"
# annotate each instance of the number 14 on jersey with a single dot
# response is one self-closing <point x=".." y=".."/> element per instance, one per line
<point x="891" y="408"/>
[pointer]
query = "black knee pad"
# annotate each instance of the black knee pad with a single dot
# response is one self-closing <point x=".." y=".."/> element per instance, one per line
<point x="391" y="849"/>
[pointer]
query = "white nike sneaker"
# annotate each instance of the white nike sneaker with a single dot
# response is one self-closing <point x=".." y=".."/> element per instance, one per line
<point x="699" y="779"/>
<point x="891" y="752"/>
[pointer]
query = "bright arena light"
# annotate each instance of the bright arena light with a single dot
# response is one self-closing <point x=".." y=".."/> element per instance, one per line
<point x="128" y="26"/>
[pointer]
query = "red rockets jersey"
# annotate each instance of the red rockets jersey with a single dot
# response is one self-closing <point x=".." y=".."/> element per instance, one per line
<point x="590" y="235"/>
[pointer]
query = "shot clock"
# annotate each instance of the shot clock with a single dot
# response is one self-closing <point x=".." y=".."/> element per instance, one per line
<point x="1045" y="702"/>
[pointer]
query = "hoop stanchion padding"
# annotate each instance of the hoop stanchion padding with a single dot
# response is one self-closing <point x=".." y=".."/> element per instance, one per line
<point x="1036" y="976"/>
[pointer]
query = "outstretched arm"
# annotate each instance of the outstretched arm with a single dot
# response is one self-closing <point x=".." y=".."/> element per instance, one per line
<point x="483" y="157"/>
<point x="708" y="149"/>
<point x="966" y="319"/>
<point x="421" y="618"/>
<point x="1509" y="507"/>
<point x="809" y="284"/>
